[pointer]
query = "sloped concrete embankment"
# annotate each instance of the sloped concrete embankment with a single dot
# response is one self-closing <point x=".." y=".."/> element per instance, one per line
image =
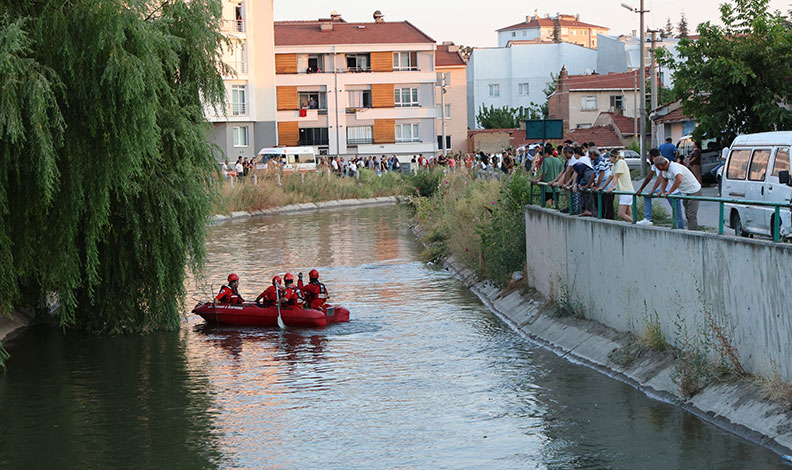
<point x="309" y="206"/>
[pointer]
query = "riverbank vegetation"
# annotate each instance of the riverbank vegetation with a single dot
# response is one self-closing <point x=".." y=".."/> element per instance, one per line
<point x="271" y="190"/>
<point x="105" y="170"/>
<point x="480" y="222"/>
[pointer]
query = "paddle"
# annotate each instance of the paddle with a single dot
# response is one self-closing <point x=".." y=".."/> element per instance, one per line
<point x="277" y="302"/>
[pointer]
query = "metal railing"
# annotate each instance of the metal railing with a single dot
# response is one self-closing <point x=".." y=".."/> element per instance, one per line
<point x="777" y="206"/>
<point x="234" y="26"/>
<point x="240" y="67"/>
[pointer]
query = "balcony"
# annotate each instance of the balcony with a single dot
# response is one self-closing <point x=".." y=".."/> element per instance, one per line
<point x="240" y="68"/>
<point x="360" y="141"/>
<point x="233" y="26"/>
<point x="239" y="109"/>
<point x="408" y="68"/>
<point x="420" y="112"/>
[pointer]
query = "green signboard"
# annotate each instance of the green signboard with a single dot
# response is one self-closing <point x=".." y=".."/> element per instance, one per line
<point x="543" y="129"/>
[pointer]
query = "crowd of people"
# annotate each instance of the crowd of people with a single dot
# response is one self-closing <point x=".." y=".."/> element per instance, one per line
<point x="283" y="292"/>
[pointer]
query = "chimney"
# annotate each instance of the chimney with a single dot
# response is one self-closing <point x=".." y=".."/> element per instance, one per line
<point x="453" y="48"/>
<point x="326" y="26"/>
<point x="335" y="16"/>
<point x="562" y="79"/>
<point x="378" y="18"/>
<point x="577" y="17"/>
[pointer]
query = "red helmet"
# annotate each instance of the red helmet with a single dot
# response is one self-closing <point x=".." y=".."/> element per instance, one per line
<point x="276" y="280"/>
<point x="233" y="277"/>
<point x="288" y="277"/>
<point x="313" y="274"/>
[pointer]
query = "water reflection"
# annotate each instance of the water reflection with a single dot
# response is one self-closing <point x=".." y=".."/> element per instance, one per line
<point x="423" y="376"/>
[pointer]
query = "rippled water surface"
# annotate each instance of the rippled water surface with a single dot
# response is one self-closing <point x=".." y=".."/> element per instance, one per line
<point x="423" y="377"/>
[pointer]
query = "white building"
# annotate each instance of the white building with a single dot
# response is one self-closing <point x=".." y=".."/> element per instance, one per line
<point x="355" y="88"/>
<point x="620" y="55"/>
<point x="518" y="75"/>
<point x="248" y="122"/>
<point x="538" y="30"/>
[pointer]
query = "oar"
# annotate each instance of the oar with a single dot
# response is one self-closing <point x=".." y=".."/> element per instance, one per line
<point x="277" y="302"/>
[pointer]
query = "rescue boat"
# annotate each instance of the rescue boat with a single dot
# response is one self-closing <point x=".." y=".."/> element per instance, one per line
<point x="253" y="314"/>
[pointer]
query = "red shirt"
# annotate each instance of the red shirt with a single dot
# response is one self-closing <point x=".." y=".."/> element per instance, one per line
<point x="270" y="295"/>
<point x="292" y="297"/>
<point x="315" y="294"/>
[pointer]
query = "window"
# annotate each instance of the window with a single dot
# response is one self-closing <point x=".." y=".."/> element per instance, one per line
<point x="241" y="136"/>
<point x="360" y="135"/>
<point x="514" y="33"/>
<point x="359" y="98"/>
<point x="447" y="111"/>
<point x="588" y="103"/>
<point x="781" y="161"/>
<point x="405" y="61"/>
<point x="522" y="89"/>
<point x="313" y="136"/>
<point x="758" y="168"/>
<point x="358" y="62"/>
<point x="407" y="133"/>
<point x="239" y="100"/>
<point x="738" y="164"/>
<point x="616" y="102"/>
<point x="313" y="100"/>
<point x="525" y="33"/>
<point x="440" y="142"/>
<point x="315" y="63"/>
<point x="584" y="125"/>
<point x="405" y="97"/>
<point x="494" y="90"/>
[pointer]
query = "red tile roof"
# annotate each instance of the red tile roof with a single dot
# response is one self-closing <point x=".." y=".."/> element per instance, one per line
<point x="674" y="116"/>
<point x="299" y="33"/>
<point x="611" y="81"/>
<point x="549" y="23"/>
<point x="444" y="58"/>
<point x="625" y="124"/>
<point x="603" y="136"/>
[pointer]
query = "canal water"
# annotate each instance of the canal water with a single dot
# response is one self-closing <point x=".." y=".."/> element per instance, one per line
<point x="422" y="377"/>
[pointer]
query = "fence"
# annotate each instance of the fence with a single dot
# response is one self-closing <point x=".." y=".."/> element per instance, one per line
<point x="776" y="225"/>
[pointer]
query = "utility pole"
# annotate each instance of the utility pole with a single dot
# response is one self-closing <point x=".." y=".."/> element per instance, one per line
<point x="642" y="80"/>
<point x="443" y="84"/>
<point x="654" y="103"/>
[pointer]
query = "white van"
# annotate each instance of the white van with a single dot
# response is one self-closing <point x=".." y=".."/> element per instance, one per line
<point x="293" y="159"/>
<point x="757" y="169"/>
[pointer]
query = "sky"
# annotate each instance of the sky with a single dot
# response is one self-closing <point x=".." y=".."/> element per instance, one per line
<point x="473" y="23"/>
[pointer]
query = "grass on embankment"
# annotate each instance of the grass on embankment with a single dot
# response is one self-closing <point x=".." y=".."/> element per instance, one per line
<point x="308" y="187"/>
<point x="481" y="223"/>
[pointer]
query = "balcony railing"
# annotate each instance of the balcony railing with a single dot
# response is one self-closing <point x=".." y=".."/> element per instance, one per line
<point x="360" y="140"/>
<point x="238" y="109"/>
<point x="407" y="68"/>
<point x="239" y="67"/>
<point x="234" y="26"/>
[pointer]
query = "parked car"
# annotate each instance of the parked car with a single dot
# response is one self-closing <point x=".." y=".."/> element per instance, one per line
<point x="632" y="158"/>
<point x="710" y="154"/>
<point x="293" y="159"/>
<point x="757" y="169"/>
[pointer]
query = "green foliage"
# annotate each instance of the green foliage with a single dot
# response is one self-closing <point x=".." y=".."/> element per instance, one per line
<point x="626" y="355"/>
<point x="105" y="170"/>
<point x="734" y="78"/>
<point x="503" y="238"/>
<point x="668" y="31"/>
<point x="556" y="32"/>
<point x="652" y="336"/>
<point x="427" y="182"/>
<point x="506" y="117"/>
<point x="682" y="27"/>
<point x="566" y="305"/>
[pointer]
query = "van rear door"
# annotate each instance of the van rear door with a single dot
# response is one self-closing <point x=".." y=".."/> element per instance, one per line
<point x="777" y="192"/>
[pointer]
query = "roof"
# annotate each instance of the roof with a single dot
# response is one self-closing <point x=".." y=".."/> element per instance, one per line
<point x="603" y="136"/>
<point x="625" y="124"/>
<point x="299" y="33"/>
<point x="444" y="58"/>
<point x="537" y="22"/>
<point x="674" y="116"/>
<point x="611" y="81"/>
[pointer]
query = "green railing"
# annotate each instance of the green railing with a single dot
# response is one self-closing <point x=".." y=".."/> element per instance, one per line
<point x="776" y="229"/>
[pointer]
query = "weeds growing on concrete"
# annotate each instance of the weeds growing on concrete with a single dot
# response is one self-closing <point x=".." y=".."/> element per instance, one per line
<point x="692" y="369"/>
<point x="628" y="353"/>
<point x="776" y="389"/>
<point x="652" y="335"/>
<point x="566" y="306"/>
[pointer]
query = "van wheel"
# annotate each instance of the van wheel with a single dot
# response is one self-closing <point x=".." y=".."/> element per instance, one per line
<point x="737" y="224"/>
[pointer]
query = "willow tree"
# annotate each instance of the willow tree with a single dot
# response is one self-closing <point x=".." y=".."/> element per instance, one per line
<point x="105" y="168"/>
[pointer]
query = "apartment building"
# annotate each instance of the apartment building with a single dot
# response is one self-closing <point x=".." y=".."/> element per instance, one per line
<point x="517" y="75"/>
<point x="536" y="30"/>
<point x="355" y="88"/>
<point x="580" y="99"/>
<point x="450" y="63"/>
<point x="248" y="122"/>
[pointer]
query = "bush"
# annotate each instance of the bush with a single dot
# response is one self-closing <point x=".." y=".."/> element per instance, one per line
<point x="427" y="182"/>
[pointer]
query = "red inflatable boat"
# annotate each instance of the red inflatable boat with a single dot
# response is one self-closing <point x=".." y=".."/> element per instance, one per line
<point x="252" y="314"/>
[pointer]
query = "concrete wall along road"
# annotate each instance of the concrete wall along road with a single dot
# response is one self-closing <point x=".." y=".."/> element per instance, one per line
<point x="621" y="274"/>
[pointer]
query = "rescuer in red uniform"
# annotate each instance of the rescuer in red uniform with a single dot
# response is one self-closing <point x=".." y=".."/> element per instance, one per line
<point x="293" y="295"/>
<point x="315" y="292"/>
<point x="229" y="294"/>
<point x="273" y="294"/>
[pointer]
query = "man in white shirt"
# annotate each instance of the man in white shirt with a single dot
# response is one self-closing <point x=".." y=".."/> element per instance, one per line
<point x="681" y="179"/>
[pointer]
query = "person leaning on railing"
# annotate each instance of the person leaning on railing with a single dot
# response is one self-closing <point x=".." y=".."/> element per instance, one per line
<point x="620" y="179"/>
<point x="656" y="190"/>
<point x="684" y="181"/>
<point x="551" y="168"/>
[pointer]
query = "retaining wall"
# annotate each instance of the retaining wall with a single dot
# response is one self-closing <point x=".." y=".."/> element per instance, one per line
<point x="621" y="275"/>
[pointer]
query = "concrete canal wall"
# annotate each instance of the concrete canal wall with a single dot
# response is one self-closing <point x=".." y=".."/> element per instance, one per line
<point x="622" y="276"/>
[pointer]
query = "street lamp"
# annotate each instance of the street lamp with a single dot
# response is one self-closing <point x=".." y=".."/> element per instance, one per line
<point x="642" y="97"/>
